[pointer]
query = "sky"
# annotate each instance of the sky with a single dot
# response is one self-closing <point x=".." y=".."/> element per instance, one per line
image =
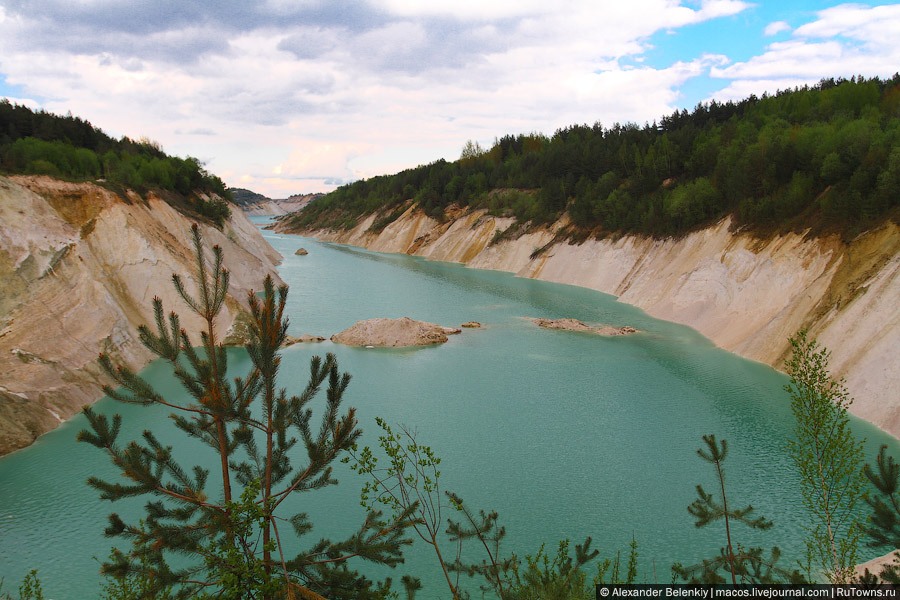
<point x="297" y="96"/>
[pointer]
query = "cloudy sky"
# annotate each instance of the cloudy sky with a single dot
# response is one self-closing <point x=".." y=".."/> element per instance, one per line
<point x="290" y="96"/>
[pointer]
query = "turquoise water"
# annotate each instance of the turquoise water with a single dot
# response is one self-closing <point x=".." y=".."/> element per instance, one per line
<point x="564" y="434"/>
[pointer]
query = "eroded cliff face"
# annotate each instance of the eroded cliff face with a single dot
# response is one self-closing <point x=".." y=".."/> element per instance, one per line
<point x="745" y="294"/>
<point x="270" y="208"/>
<point x="79" y="267"/>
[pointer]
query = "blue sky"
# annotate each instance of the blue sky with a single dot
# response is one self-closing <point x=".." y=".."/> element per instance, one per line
<point x="738" y="37"/>
<point x="289" y="96"/>
<point x="7" y="90"/>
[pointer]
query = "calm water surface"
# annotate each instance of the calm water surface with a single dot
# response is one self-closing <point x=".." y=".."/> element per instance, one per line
<point x="565" y="435"/>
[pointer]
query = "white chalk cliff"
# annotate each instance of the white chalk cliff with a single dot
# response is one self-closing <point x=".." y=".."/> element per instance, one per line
<point x="267" y="208"/>
<point x="746" y="294"/>
<point x="79" y="267"/>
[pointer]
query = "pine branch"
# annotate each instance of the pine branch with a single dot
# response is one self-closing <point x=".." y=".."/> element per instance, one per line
<point x="230" y="543"/>
<point x="884" y="522"/>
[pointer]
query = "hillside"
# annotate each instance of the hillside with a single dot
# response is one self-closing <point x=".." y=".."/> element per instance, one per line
<point x="254" y="204"/>
<point x="747" y="221"/>
<point x="79" y="267"/>
<point x="243" y="197"/>
<point x="824" y="158"/>
<point x="745" y="293"/>
<point x="70" y="148"/>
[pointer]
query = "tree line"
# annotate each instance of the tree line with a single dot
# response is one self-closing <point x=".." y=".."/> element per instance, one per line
<point x="823" y="155"/>
<point x="42" y="143"/>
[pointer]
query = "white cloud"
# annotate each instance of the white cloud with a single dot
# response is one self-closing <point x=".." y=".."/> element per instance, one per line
<point x="875" y="25"/>
<point x="744" y="88"/>
<point x="24" y="102"/>
<point x="467" y="10"/>
<point x="842" y="41"/>
<point x="788" y="59"/>
<point x="324" y="90"/>
<point x="287" y="7"/>
<point x="775" y="28"/>
<point x="713" y="9"/>
<point x="315" y="159"/>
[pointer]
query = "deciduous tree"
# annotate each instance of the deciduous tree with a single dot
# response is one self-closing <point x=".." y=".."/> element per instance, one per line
<point x="828" y="457"/>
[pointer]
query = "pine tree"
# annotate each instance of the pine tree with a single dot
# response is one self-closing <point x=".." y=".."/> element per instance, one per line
<point x="560" y="577"/>
<point x="744" y="565"/>
<point x="883" y="526"/>
<point x="229" y="540"/>
<point x="486" y="531"/>
<point x="609" y="570"/>
<point x="828" y="458"/>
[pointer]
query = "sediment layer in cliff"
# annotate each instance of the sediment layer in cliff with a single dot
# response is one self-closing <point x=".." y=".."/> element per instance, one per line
<point x="746" y="294"/>
<point x="79" y="267"/>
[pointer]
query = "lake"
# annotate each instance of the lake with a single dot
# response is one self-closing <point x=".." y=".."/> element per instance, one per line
<point x="564" y="434"/>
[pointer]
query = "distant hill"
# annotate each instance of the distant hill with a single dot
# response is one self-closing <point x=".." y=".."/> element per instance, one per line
<point x="257" y="204"/>
<point x="70" y="148"/>
<point x="825" y="158"/>
<point x="243" y="197"/>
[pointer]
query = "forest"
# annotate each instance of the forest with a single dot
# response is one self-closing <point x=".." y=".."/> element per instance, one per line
<point x="823" y="156"/>
<point x="67" y="147"/>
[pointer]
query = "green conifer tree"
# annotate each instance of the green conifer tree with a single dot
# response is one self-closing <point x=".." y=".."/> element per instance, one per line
<point x="883" y="526"/>
<point x="486" y="531"/>
<point x="742" y="565"/>
<point x="228" y="536"/>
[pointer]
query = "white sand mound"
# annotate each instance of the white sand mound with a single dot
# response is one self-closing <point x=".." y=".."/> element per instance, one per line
<point x="393" y="333"/>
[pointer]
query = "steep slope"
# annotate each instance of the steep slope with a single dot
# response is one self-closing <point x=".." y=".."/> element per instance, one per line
<point x="79" y="267"/>
<point x="254" y="204"/>
<point x="748" y="295"/>
<point x="282" y="206"/>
